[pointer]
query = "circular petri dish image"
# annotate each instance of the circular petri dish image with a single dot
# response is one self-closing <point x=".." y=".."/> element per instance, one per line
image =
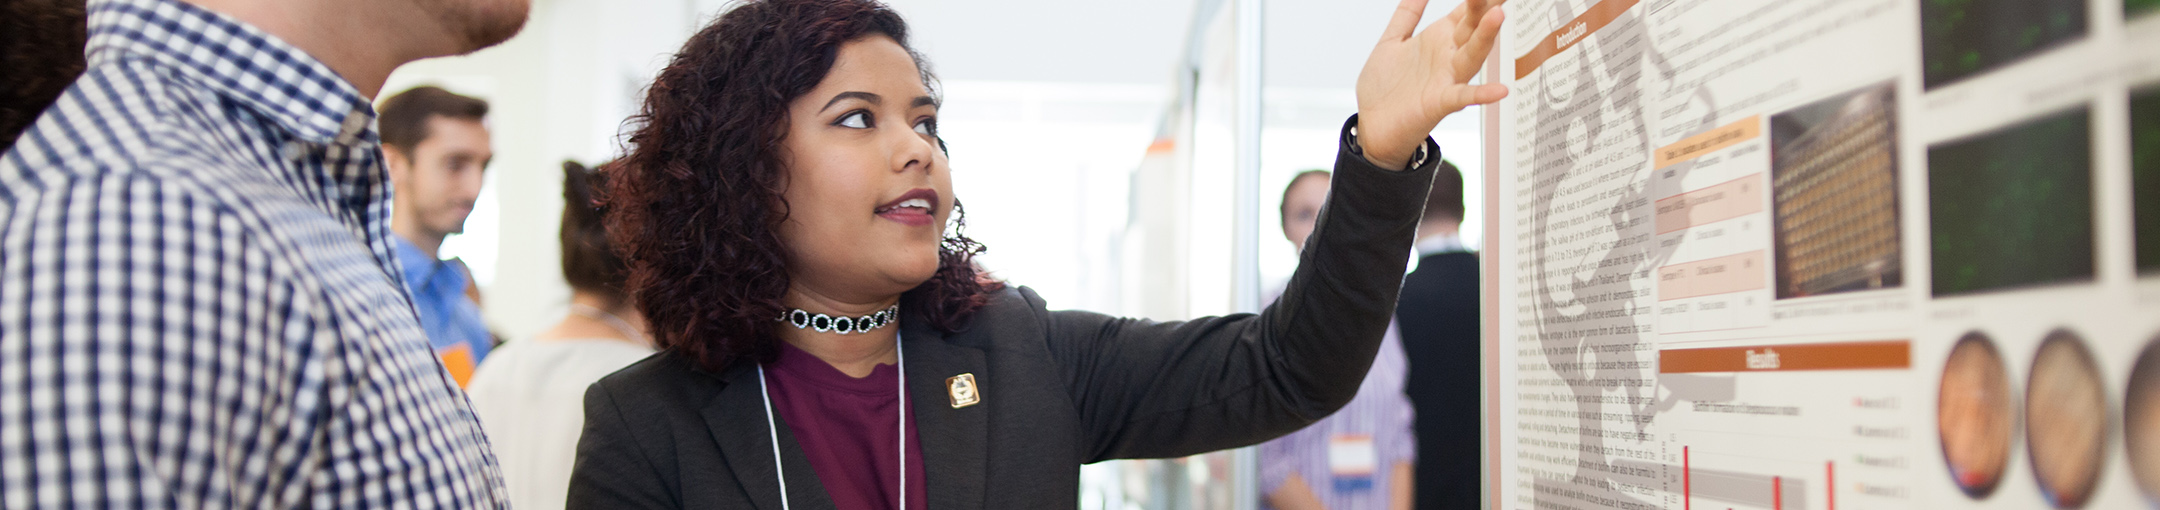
<point x="1973" y="415"/>
<point x="2141" y="421"/>
<point x="2066" y="415"/>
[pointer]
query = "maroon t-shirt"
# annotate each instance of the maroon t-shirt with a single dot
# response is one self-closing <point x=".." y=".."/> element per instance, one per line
<point x="849" y="428"/>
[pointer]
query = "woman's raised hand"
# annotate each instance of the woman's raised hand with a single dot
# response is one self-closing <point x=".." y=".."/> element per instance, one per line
<point x="1412" y="80"/>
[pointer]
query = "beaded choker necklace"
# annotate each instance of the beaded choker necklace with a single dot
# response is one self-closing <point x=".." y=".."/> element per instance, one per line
<point x="822" y="323"/>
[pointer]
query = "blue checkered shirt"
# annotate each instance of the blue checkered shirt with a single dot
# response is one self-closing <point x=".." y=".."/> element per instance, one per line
<point x="199" y="305"/>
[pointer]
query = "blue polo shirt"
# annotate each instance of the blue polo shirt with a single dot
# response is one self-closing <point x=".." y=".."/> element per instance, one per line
<point x="451" y="320"/>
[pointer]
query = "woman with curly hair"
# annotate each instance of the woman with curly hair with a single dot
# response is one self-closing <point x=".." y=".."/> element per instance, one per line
<point x="787" y="216"/>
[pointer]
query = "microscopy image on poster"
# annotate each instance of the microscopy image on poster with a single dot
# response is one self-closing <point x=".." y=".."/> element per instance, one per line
<point x="1960" y="39"/>
<point x="2065" y="419"/>
<point x="2141" y="420"/>
<point x="2145" y="176"/>
<point x="2137" y="8"/>
<point x="1973" y="415"/>
<point x="2013" y="207"/>
<point x="1834" y="186"/>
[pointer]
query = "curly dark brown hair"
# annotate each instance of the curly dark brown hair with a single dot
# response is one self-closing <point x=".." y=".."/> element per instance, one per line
<point x="41" y="50"/>
<point x="695" y="206"/>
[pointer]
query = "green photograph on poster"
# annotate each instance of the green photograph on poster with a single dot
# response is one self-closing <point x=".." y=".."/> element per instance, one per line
<point x="2013" y="207"/>
<point x="2138" y="8"/>
<point x="2145" y="177"/>
<point x="1961" y="39"/>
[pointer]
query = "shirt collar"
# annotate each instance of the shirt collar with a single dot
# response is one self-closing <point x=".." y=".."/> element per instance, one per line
<point x="1443" y="243"/>
<point x="238" y="62"/>
<point x="421" y="270"/>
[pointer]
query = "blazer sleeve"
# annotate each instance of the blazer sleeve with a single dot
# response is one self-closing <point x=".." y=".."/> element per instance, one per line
<point x="612" y="470"/>
<point x="1148" y="389"/>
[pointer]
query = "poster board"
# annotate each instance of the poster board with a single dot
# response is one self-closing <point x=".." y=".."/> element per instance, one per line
<point x="1824" y="254"/>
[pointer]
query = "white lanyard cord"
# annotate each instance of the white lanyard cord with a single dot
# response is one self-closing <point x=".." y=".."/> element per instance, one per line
<point x="902" y="354"/>
<point x="772" y="426"/>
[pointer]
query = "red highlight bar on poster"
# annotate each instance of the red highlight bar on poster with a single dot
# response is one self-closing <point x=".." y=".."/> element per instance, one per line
<point x="1830" y="484"/>
<point x="1777" y="493"/>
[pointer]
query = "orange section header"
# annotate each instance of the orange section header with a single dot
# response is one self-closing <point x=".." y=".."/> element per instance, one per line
<point x="1573" y="32"/>
<point x="1891" y="354"/>
<point x="1710" y="141"/>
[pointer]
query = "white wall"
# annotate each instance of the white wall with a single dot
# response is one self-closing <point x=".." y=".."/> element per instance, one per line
<point x="1043" y="171"/>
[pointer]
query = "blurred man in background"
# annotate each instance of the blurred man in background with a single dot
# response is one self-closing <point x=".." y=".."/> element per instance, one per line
<point x="436" y="146"/>
<point x="1438" y="314"/>
<point x="1361" y="457"/>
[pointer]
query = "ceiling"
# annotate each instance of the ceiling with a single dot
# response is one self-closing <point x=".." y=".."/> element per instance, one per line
<point x="1102" y="41"/>
<point x="1310" y="43"/>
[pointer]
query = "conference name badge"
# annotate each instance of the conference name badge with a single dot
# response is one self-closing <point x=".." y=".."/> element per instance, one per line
<point x="1353" y="461"/>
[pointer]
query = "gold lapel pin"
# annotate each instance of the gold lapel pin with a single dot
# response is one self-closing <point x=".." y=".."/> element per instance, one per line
<point x="963" y="391"/>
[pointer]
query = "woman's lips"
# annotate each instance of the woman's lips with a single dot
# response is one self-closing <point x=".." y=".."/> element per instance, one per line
<point x="915" y="208"/>
<point x="909" y="216"/>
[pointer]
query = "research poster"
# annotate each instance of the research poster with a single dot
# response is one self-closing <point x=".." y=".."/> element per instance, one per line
<point x="1825" y="254"/>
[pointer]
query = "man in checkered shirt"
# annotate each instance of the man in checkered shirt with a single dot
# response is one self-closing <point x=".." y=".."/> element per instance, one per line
<point x="199" y="307"/>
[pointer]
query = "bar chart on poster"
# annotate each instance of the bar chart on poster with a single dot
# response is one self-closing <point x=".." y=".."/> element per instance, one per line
<point x="1824" y="254"/>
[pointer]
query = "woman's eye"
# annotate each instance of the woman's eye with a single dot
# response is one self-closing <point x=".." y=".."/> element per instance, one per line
<point x="927" y="127"/>
<point x="857" y="120"/>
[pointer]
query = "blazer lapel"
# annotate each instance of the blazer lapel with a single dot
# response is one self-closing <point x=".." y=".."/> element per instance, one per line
<point x="736" y="419"/>
<point x="953" y="440"/>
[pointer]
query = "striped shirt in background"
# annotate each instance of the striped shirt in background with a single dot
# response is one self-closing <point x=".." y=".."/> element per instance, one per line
<point x="1380" y="413"/>
<point x="199" y="305"/>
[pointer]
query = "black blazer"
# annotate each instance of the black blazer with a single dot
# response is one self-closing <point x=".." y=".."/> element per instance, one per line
<point x="1438" y="315"/>
<point x="1059" y="389"/>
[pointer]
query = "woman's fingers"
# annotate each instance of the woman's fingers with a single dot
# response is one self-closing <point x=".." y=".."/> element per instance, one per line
<point x="1404" y="23"/>
<point x="1489" y="93"/>
<point x="1463" y="96"/>
<point x="1471" y="55"/>
<point x="1414" y="80"/>
<point x="1473" y="12"/>
<point x="1461" y="21"/>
